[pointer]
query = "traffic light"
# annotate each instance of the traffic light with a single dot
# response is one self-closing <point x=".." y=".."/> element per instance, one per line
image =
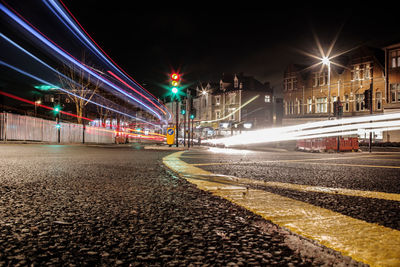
<point x="57" y="108"/>
<point x="367" y="99"/>
<point x="192" y="113"/>
<point x="175" y="80"/>
<point x="183" y="109"/>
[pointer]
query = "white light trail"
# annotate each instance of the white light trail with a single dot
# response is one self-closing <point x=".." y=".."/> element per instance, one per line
<point x="342" y="127"/>
<point x="239" y="108"/>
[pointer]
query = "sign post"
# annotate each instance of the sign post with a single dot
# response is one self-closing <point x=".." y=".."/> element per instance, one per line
<point x="170" y="136"/>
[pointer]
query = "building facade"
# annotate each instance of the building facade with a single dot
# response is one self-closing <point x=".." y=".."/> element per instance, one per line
<point x="310" y="93"/>
<point x="392" y="85"/>
<point x="234" y="104"/>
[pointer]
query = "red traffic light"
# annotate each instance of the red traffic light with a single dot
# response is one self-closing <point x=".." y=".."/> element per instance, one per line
<point x="175" y="76"/>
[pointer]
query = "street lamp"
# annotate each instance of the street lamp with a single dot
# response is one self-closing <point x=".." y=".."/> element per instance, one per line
<point x="327" y="62"/>
<point x="37" y="102"/>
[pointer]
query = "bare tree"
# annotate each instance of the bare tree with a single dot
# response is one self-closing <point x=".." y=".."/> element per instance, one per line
<point x="81" y="85"/>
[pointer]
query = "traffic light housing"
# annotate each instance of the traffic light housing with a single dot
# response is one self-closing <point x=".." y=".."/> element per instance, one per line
<point x="192" y="113"/>
<point x="175" y="80"/>
<point x="183" y="109"/>
<point x="57" y="109"/>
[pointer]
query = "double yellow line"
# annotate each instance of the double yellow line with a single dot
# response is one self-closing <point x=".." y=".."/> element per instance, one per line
<point x="366" y="242"/>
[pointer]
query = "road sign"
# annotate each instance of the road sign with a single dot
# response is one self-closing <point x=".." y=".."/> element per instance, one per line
<point x="170" y="136"/>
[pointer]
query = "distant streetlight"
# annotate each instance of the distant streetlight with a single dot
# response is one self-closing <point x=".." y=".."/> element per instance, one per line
<point x="37" y="102"/>
<point x="327" y="62"/>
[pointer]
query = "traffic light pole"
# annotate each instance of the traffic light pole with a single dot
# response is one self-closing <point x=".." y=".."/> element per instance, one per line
<point x="177" y="124"/>
<point x="188" y="114"/>
<point x="192" y="132"/>
<point x="184" y="128"/>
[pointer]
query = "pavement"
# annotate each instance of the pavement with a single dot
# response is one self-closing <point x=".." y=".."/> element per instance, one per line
<point x="349" y="202"/>
<point x="119" y="205"/>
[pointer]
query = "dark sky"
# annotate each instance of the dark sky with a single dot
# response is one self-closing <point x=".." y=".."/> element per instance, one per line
<point x="203" y="41"/>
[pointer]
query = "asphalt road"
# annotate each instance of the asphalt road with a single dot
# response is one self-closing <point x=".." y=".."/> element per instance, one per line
<point x="358" y="188"/>
<point x="119" y="205"/>
<point x="378" y="172"/>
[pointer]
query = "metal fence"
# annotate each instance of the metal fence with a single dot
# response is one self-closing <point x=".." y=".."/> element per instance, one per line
<point x="15" y="127"/>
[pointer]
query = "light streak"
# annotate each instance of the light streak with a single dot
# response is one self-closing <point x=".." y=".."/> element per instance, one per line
<point x="65" y="55"/>
<point x="119" y="79"/>
<point x="57" y="73"/>
<point x="66" y="91"/>
<point x="344" y="127"/>
<point x="42" y="106"/>
<point x="69" y="23"/>
<point x="239" y="108"/>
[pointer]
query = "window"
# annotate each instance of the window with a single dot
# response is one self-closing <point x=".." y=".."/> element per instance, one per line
<point x="309" y="105"/>
<point x="346" y="103"/>
<point x="285" y="107"/>
<point x="321" y="105"/>
<point x="232" y="116"/>
<point x="378" y="99"/>
<point x="361" y="72"/>
<point x="360" y="102"/>
<point x="320" y="78"/>
<point x="291" y="107"/>
<point x="395" y="58"/>
<point x="232" y="99"/>
<point x="367" y="72"/>
<point x="217" y="114"/>
<point x="395" y="92"/>
<point x="267" y="99"/>
<point x="217" y="100"/>
<point x="290" y="83"/>
<point x="315" y="78"/>
<point x="300" y="107"/>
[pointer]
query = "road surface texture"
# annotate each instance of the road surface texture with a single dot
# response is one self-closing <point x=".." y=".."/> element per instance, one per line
<point x="346" y="201"/>
<point x="119" y="205"/>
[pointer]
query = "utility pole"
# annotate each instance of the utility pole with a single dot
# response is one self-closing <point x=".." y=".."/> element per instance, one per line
<point x="192" y="132"/>
<point x="177" y="123"/>
<point x="189" y="99"/>
<point x="183" y="111"/>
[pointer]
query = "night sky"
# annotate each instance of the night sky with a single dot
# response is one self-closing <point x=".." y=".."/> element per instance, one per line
<point x="203" y="41"/>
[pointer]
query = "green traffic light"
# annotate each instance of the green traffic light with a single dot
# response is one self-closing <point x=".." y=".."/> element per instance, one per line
<point x="174" y="90"/>
<point x="192" y="116"/>
<point x="183" y="112"/>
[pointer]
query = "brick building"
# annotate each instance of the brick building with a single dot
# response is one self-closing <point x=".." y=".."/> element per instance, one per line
<point x="237" y="102"/>
<point x="392" y="85"/>
<point x="307" y="90"/>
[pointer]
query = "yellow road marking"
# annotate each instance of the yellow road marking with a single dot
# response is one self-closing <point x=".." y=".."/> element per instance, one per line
<point x="326" y="190"/>
<point x="367" y="242"/>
